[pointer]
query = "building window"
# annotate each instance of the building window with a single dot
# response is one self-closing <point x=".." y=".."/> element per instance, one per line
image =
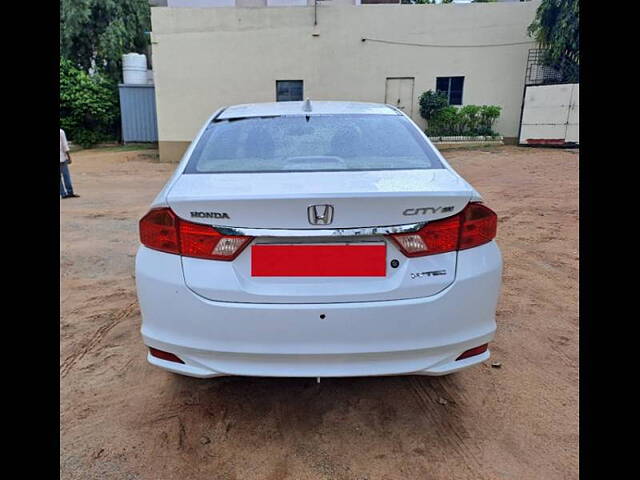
<point x="288" y="90"/>
<point x="452" y="88"/>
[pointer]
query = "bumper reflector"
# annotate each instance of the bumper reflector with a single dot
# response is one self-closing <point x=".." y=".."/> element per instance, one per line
<point x="473" y="352"/>
<point x="170" y="357"/>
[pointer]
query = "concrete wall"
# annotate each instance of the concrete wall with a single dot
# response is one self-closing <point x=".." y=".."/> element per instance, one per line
<point x="210" y="57"/>
<point x="246" y="3"/>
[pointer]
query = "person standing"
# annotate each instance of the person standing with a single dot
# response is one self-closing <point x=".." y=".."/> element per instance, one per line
<point x="66" y="188"/>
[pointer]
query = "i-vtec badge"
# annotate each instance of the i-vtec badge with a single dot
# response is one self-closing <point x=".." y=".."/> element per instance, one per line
<point x="209" y="215"/>
<point x="426" y="210"/>
<point x="432" y="273"/>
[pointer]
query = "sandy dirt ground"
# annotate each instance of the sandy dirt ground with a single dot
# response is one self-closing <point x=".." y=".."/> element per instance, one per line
<point x="124" y="419"/>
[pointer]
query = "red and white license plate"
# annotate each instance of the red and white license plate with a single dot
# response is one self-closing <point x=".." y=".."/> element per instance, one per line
<point x="361" y="260"/>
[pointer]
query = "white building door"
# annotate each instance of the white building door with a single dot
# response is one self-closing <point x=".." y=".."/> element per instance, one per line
<point x="399" y="93"/>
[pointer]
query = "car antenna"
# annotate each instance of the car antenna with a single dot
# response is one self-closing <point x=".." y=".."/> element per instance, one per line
<point x="306" y="106"/>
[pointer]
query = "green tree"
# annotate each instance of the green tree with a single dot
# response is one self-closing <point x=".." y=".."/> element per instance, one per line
<point x="94" y="34"/>
<point x="556" y="29"/>
<point x="88" y="110"/>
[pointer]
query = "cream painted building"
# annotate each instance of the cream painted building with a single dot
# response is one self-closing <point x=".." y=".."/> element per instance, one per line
<point x="226" y="52"/>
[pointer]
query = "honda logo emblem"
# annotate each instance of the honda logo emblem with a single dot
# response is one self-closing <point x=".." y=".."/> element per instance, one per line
<point x="320" y="214"/>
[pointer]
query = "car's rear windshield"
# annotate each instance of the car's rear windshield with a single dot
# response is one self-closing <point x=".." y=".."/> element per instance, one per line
<point x="311" y="143"/>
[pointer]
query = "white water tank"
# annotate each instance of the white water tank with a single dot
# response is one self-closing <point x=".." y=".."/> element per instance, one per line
<point x="134" y="69"/>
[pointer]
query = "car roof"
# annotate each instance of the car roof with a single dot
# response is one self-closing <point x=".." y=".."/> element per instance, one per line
<point x="296" y="108"/>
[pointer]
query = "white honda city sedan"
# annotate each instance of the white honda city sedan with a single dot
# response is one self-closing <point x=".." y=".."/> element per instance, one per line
<point x="316" y="239"/>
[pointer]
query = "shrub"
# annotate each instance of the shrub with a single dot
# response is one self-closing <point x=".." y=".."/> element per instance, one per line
<point x="470" y="120"/>
<point x="89" y="110"/>
<point x="431" y="103"/>
<point x="488" y="116"/>
<point x="446" y="121"/>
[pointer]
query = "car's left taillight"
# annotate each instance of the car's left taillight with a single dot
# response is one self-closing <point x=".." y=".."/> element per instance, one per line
<point x="161" y="229"/>
<point x="204" y="241"/>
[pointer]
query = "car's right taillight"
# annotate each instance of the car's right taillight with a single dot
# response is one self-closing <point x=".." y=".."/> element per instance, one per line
<point x="161" y="229"/>
<point x="439" y="236"/>
<point x="474" y="226"/>
<point x="479" y="225"/>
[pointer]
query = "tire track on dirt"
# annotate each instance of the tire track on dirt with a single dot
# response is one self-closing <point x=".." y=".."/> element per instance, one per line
<point x="447" y="432"/>
<point x="95" y="339"/>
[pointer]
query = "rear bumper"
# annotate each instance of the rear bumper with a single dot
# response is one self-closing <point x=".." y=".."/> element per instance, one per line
<point x="215" y="364"/>
<point x="413" y="336"/>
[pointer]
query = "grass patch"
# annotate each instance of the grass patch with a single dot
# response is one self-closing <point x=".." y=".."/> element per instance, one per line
<point x="129" y="147"/>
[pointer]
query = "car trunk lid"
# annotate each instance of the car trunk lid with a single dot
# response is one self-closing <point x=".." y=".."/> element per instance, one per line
<point x="282" y="200"/>
<point x="274" y="208"/>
